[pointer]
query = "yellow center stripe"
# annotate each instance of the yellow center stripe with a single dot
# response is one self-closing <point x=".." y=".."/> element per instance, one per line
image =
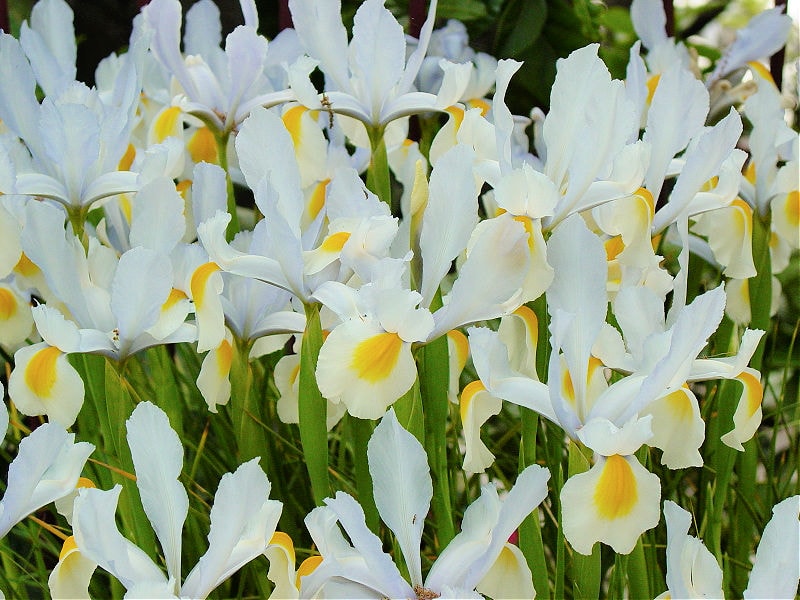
<point x="8" y="304"/>
<point x="200" y="281"/>
<point x="375" y="358"/>
<point x="616" y="493"/>
<point x="40" y="373"/>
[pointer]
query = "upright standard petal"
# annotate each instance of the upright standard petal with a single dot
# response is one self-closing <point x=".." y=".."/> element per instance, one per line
<point x="158" y="460"/>
<point x="402" y="487"/>
<point x="243" y="520"/>
<point x="776" y="570"/>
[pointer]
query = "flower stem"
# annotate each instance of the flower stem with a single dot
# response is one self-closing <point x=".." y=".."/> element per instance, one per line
<point x="222" y="154"/>
<point x="313" y="408"/>
<point x="378" y="180"/>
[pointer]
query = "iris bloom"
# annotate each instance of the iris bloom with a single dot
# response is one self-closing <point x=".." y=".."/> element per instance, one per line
<point x="693" y="572"/>
<point x="369" y="78"/>
<point x="243" y="518"/>
<point x="220" y="88"/>
<point x="479" y="558"/>
<point x="46" y="468"/>
<point x="617" y="499"/>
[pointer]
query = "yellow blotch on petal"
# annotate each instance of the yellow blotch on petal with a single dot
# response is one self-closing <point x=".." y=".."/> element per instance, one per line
<point x="762" y="71"/>
<point x="710" y="184"/>
<point x="335" y="242"/>
<point x="792" y="208"/>
<point x="166" y="124"/>
<point x="25" y="266"/>
<point x="616" y="492"/>
<point x="202" y="146"/>
<point x="647" y="196"/>
<point x="85" y="482"/>
<point x="40" y="372"/>
<point x="70" y="545"/>
<point x="457" y="114"/>
<point x="8" y="304"/>
<point x="753" y="391"/>
<point x="224" y="358"/>
<point x="200" y="280"/>
<point x="750" y="172"/>
<point x="292" y="120"/>
<point x="282" y="539"/>
<point x="680" y="405"/>
<point x="126" y="161"/>
<point x="293" y="375"/>
<point x="307" y="567"/>
<point x="317" y="199"/>
<point x="174" y="297"/>
<point x="652" y="84"/>
<point x="614" y="246"/>
<point x="460" y="342"/>
<point x="375" y="358"/>
<point x="480" y="103"/>
<point x="467" y="395"/>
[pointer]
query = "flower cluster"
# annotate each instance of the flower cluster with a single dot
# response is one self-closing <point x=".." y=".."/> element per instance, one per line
<point x="605" y="286"/>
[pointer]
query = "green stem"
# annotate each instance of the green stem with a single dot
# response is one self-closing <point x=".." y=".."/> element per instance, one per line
<point x="585" y="569"/>
<point x="222" y="154"/>
<point x="434" y="382"/>
<point x="530" y="534"/>
<point x="760" y="286"/>
<point x="313" y="408"/>
<point x="638" y="580"/>
<point x="77" y="218"/>
<point x="244" y="405"/>
<point x="378" y="180"/>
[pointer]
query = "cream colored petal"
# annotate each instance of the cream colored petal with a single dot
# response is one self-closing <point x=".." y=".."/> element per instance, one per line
<point x="280" y="554"/>
<point x="70" y="577"/>
<point x="509" y="577"/>
<point x="16" y="320"/>
<point x="213" y="381"/>
<point x="206" y="288"/>
<point x="365" y="367"/>
<point x="44" y="383"/>
<point x="477" y="406"/>
<point x="678" y="429"/>
<point x="614" y="502"/>
<point x="747" y="417"/>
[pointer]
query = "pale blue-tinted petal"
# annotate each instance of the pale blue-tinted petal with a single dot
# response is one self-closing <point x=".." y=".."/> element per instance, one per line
<point x="579" y="290"/>
<point x="677" y="112"/>
<point x="109" y="184"/>
<point x="649" y="22"/>
<point x="250" y="13"/>
<point x="320" y="29"/>
<point x="415" y="60"/>
<point x="49" y="43"/>
<point x="402" y="487"/>
<point x="503" y="121"/>
<point x="158" y="222"/>
<point x="450" y="217"/>
<point x="158" y="461"/>
<point x="209" y="193"/>
<point x="47" y="467"/>
<point x="776" y="570"/>
<point x="141" y="285"/>
<point x="246" y="52"/>
<point x="19" y="108"/>
<point x="203" y="30"/>
<point x="96" y="534"/>
<point x="243" y="520"/>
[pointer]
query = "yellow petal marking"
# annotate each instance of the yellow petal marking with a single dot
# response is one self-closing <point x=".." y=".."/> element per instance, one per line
<point x="614" y="246"/>
<point x="279" y="538"/>
<point x="182" y="186"/>
<point x="126" y="161"/>
<point x="467" y="395"/>
<point x="750" y="172"/>
<point x="335" y="242"/>
<point x="460" y="342"/>
<point x="375" y="358"/>
<point x="224" y="358"/>
<point x="480" y="103"/>
<point x="761" y="70"/>
<point x="200" y="281"/>
<point x="174" y="297"/>
<point x="307" y="567"/>
<point x="125" y="207"/>
<point x="616" y="493"/>
<point x="710" y="184"/>
<point x="680" y="404"/>
<point x="25" y="266"/>
<point x="202" y="146"/>
<point x="292" y="120"/>
<point x="69" y="546"/>
<point x="40" y="372"/>
<point x="293" y="375"/>
<point x="647" y="196"/>
<point x="753" y="391"/>
<point x="166" y="123"/>
<point x="317" y="199"/>
<point x="652" y="84"/>
<point x="457" y="114"/>
<point x="85" y="482"/>
<point x="793" y="208"/>
<point x="8" y="304"/>
<point x="527" y="223"/>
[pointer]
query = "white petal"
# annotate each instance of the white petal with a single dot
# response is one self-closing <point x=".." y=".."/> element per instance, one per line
<point x="776" y="570"/>
<point x="158" y="460"/>
<point x="402" y="487"/>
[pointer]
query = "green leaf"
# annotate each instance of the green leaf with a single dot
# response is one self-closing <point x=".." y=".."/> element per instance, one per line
<point x="463" y="10"/>
<point x="520" y="26"/>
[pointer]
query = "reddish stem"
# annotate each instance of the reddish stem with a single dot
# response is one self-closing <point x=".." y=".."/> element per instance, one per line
<point x="669" y="10"/>
<point x="284" y="16"/>
<point x="416" y="17"/>
<point x="777" y="59"/>
<point x="5" y="25"/>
